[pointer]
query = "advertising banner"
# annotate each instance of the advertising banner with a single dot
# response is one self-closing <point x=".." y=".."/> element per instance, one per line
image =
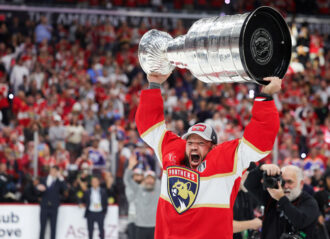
<point x="167" y="20"/>
<point x="67" y="16"/>
<point x="22" y="221"/>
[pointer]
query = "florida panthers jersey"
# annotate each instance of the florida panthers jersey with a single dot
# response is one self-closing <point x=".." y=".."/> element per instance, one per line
<point x="198" y="204"/>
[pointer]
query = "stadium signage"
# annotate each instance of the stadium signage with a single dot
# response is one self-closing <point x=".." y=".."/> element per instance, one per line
<point x="68" y="16"/>
<point x="22" y="221"/>
<point x="134" y="18"/>
<point x="9" y="225"/>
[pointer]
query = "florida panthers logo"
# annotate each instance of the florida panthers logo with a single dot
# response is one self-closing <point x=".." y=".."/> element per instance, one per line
<point x="183" y="185"/>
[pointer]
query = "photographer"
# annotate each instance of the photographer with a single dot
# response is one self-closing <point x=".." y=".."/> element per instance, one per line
<point x="289" y="211"/>
<point x="322" y="198"/>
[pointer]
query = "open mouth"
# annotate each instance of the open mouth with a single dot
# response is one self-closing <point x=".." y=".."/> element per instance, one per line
<point x="194" y="160"/>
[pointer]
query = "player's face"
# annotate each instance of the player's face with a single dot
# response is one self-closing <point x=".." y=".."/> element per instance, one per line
<point x="196" y="150"/>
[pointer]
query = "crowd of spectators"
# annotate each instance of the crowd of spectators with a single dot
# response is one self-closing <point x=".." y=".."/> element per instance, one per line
<point x="228" y="6"/>
<point x="77" y="88"/>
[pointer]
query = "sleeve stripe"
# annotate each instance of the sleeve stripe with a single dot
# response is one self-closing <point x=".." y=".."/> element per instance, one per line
<point x="160" y="154"/>
<point x="152" y="128"/>
<point x="260" y="99"/>
<point x="165" y="198"/>
<point x="211" y="205"/>
<point x="224" y="174"/>
<point x="254" y="147"/>
<point x="154" y="137"/>
<point x="248" y="153"/>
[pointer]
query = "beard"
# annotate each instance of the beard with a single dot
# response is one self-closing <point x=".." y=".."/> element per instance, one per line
<point x="148" y="186"/>
<point x="186" y="160"/>
<point x="293" y="193"/>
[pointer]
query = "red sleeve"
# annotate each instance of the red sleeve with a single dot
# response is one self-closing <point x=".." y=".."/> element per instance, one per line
<point x="259" y="135"/>
<point x="150" y="110"/>
<point x="168" y="147"/>
<point x="264" y="125"/>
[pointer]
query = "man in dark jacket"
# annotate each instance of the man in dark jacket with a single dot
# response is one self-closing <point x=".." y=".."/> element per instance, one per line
<point x="288" y="209"/>
<point x="322" y="197"/>
<point x="51" y="188"/>
<point x="95" y="200"/>
<point x="30" y="193"/>
<point x="244" y="211"/>
<point x="7" y="185"/>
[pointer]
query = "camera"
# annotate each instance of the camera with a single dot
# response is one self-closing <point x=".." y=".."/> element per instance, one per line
<point x="272" y="181"/>
<point x="291" y="235"/>
<point x="255" y="234"/>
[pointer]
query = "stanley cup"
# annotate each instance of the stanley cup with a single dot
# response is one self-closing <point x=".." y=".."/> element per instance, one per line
<point x="232" y="48"/>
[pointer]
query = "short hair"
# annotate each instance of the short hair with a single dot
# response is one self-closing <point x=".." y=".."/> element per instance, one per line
<point x="97" y="177"/>
<point x="298" y="171"/>
<point x="56" y="167"/>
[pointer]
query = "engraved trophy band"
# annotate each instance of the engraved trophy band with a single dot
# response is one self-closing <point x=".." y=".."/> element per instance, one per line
<point x="231" y="48"/>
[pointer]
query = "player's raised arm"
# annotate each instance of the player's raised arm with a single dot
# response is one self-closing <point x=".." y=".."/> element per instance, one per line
<point x="260" y="133"/>
<point x="150" y="119"/>
<point x="150" y="113"/>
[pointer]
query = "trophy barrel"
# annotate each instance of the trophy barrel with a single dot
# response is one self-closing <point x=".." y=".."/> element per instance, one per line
<point x="265" y="44"/>
<point x="233" y="48"/>
<point x="238" y="48"/>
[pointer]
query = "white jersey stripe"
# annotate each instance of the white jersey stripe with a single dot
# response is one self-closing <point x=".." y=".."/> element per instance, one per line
<point x="211" y="205"/>
<point x="223" y="174"/>
<point x="154" y="137"/>
<point x="217" y="205"/>
<point x="259" y="99"/>
<point x="254" y="147"/>
<point x="160" y="153"/>
<point x="248" y="153"/>
<point x="215" y="190"/>
<point x="152" y="128"/>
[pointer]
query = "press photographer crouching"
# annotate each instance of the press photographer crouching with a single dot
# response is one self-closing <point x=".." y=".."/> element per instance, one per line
<point x="289" y="211"/>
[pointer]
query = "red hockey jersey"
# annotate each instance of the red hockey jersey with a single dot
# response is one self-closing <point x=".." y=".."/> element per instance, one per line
<point x="199" y="204"/>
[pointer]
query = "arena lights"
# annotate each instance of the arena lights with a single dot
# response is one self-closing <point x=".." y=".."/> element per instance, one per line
<point x="227" y="1"/>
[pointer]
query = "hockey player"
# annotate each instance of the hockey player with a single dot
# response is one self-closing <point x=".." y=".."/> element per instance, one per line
<point x="201" y="178"/>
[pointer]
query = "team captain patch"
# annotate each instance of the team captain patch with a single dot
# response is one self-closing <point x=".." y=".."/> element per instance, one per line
<point x="182" y="187"/>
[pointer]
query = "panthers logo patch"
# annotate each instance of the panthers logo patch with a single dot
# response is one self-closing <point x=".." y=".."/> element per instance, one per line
<point x="182" y="187"/>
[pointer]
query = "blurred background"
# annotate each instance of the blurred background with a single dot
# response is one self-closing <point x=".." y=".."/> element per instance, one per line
<point x="70" y="82"/>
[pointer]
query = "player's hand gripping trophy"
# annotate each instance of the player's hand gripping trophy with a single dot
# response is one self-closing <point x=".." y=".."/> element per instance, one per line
<point x="234" y="48"/>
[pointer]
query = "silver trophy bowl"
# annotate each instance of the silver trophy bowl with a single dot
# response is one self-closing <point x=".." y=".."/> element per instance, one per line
<point x="232" y="48"/>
